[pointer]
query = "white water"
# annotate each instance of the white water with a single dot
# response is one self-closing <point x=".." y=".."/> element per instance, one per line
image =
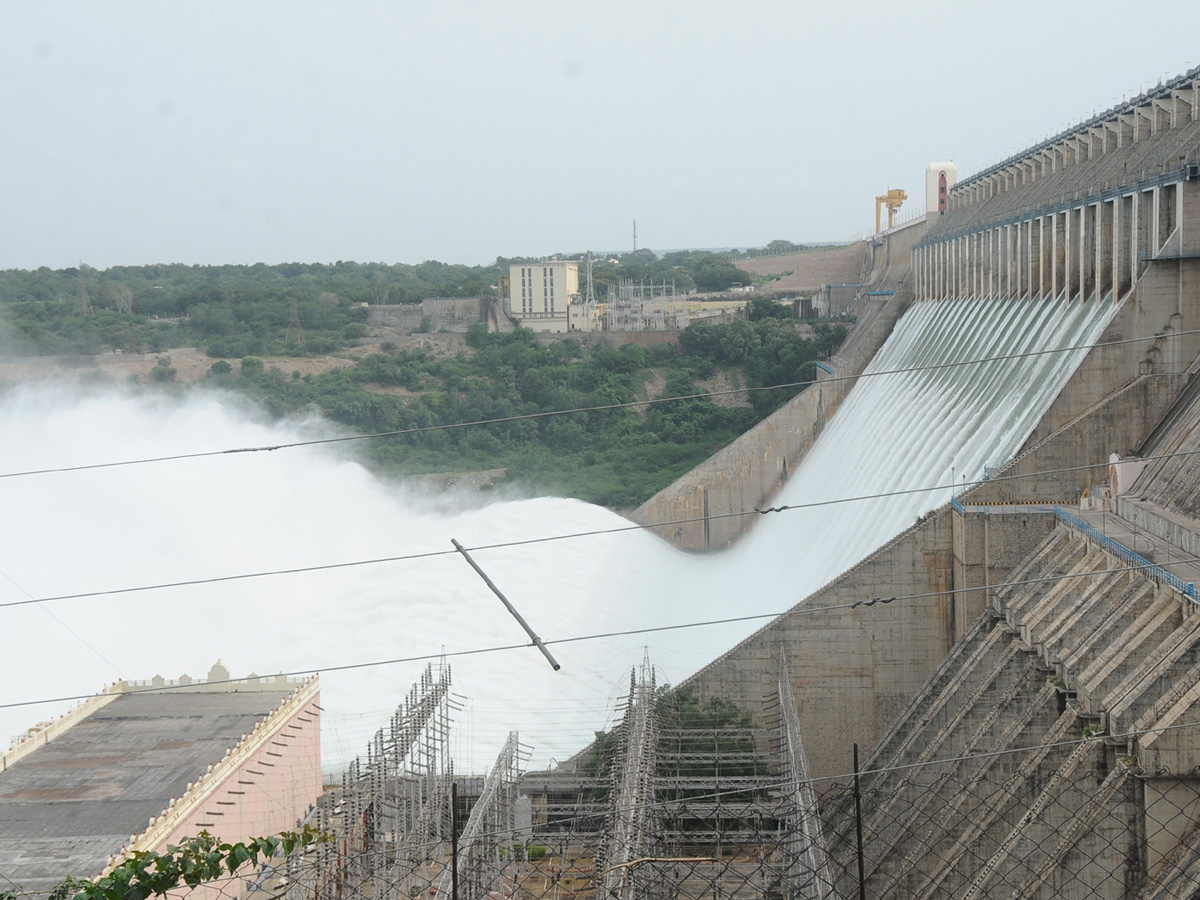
<point x="112" y="528"/>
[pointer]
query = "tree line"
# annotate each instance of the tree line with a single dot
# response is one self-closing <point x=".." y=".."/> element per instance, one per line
<point x="236" y="310"/>
<point x="616" y="457"/>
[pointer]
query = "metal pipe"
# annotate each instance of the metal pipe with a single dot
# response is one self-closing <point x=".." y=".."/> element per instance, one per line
<point x="537" y="641"/>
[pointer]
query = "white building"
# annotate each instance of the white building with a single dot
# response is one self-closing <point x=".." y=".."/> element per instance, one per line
<point x="540" y="294"/>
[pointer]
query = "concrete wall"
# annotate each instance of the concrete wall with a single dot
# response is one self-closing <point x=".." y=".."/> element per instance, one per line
<point x="1075" y="457"/>
<point x="712" y="506"/>
<point x="1160" y="329"/>
<point x="1181" y="533"/>
<point x="988" y="544"/>
<point x="264" y="785"/>
<point x="891" y="254"/>
<point x="451" y="313"/>
<point x="851" y="669"/>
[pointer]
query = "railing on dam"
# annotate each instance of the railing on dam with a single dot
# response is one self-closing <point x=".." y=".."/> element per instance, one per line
<point x="1151" y="570"/>
<point x="1116" y="548"/>
<point x="1001" y="508"/>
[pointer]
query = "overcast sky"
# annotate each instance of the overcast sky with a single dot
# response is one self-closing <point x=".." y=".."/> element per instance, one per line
<point x="145" y="132"/>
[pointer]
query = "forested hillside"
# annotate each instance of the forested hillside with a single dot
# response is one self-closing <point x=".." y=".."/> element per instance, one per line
<point x="609" y="453"/>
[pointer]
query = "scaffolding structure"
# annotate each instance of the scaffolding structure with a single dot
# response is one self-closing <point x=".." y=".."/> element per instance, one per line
<point x="808" y="862"/>
<point x="390" y="820"/>
<point x="682" y="800"/>
<point x="486" y="848"/>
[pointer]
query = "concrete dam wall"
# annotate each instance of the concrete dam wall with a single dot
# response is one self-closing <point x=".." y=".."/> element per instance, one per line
<point x="1051" y="749"/>
<point x="711" y="507"/>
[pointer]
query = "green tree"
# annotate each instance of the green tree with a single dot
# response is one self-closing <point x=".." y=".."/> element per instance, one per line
<point x="144" y="874"/>
<point x="163" y="372"/>
<point x="717" y="274"/>
<point x="766" y="308"/>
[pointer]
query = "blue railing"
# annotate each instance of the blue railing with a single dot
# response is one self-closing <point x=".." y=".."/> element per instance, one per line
<point x="1117" y="549"/>
<point x="1158" y="573"/>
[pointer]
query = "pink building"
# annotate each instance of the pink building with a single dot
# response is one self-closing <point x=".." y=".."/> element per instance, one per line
<point x="148" y="764"/>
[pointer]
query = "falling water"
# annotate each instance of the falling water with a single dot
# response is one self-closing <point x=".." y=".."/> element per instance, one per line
<point x="175" y="521"/>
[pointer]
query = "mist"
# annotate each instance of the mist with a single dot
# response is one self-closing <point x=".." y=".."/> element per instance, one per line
<point x="172" y="521"/>
<point x="113" y="528"/>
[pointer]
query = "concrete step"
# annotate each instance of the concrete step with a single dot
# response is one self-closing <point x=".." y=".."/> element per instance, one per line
<point x="946" y="805"/>
<point x="978" y="651"/>
<point x="1003" y="698"/>
<point x="1058" y="559"/>
<point x="1141" y="637"/>
<point x="979" y="836"/>
<point x="1036" y="618"/>
<point x="1071" y="865"/>
<point x="1066" y="791"/>
<point x="1070" y="629"/>
<point x="1033" y="567"/>
<point x="1121" y="606"/>
<point x="1155" y="678"/>
<point x="1171" y="744"/>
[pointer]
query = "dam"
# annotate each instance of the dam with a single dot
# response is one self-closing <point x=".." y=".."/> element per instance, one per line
<point x="1018" y="662"/>
<point x="1003" y="699"/>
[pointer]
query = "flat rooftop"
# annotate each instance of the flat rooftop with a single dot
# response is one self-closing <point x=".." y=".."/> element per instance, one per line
<point x="68" y="806"/>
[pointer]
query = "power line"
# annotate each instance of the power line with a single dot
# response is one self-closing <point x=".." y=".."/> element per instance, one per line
<point x="298" y="570"/>
<point x="606" y="635"/>
<point x="290" y="445"/>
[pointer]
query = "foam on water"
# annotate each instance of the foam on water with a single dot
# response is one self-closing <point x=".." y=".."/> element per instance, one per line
<point x="174" y="521"/>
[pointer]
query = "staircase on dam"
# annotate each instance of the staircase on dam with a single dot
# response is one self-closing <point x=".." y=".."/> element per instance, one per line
<point x="1030" y="764"/>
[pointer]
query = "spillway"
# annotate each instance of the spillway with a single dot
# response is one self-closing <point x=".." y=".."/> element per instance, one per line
<point x="917" y="422"/>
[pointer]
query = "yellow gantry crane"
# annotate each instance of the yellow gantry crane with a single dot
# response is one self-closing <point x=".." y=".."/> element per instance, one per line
<point x="892" y="200"/>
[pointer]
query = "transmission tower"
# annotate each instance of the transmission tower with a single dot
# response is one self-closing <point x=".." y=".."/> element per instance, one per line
<point x="635" y="235"/>
<point x="294" y="325"/>
<point x="83" y="305"/>
<point x="589" y="295"/>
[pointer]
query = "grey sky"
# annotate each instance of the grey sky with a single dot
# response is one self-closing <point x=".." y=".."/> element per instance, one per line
<point x="143" y="132"/>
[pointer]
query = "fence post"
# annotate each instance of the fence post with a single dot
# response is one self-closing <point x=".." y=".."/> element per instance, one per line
<point x="453" y="840"/>
<point x="862" y="883"/>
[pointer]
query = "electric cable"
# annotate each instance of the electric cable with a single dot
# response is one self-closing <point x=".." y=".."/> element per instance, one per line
<point x="407" y="557"/>
<point x="607" y="635"/>
<point x="290" y="445"/>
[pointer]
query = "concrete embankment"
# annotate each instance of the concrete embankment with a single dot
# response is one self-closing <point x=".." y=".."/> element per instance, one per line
<point x="1030" y="800"/>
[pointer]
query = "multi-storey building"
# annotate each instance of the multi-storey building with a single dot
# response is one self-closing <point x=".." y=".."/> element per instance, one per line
<point x="540" y="294"/>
